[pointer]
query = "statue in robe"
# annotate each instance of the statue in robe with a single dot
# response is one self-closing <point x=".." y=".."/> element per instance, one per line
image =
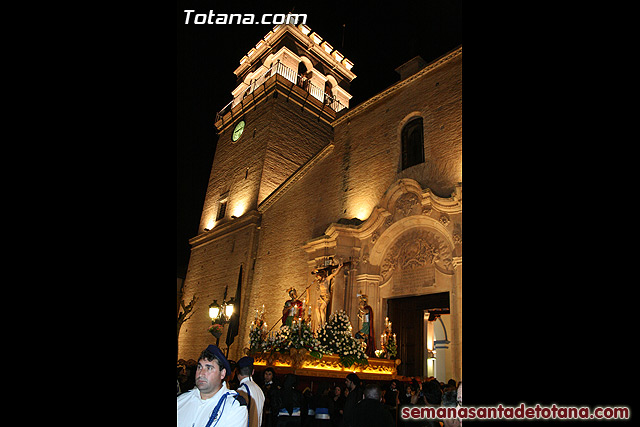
<point x="365" y="314"/>
<point x="293" y="308"/>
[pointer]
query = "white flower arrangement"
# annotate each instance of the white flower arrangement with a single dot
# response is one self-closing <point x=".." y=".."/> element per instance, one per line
<point x="335" y="337"/>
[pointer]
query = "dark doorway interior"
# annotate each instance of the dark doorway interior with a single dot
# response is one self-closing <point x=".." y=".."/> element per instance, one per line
<point x="407" y="315"/>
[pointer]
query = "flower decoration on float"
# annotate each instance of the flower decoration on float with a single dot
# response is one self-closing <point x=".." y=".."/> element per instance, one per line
<point x="257" y="332"/>
<point x="335" y="338"/>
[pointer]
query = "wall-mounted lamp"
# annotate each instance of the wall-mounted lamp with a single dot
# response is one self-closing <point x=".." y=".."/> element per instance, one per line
<point x="221" y="314"/>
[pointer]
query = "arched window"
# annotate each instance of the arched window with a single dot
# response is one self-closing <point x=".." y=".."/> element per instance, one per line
<point x="412" y="143"/>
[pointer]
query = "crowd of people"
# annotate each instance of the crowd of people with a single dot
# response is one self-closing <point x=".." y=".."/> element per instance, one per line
<point x="284" y="401"/>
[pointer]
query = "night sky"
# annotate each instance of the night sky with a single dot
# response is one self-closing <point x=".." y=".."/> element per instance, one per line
<point x="377" y="37"/>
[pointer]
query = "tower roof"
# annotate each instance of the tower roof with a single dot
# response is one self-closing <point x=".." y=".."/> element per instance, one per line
<point x="310" y="41"/>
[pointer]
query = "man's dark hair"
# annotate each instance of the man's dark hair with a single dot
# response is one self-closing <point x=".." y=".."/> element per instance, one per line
<point x="245" y="370"/>
<point x="372" y="391"/>
<point x="207" y="355"/>
<point x="354" y="379"/>
<point x="273" y="373"/>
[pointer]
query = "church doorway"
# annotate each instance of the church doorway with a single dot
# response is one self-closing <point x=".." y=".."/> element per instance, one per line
<point x="409" y="323"/>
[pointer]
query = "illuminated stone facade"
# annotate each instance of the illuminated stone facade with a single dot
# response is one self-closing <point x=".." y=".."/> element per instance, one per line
<point x="309" y="179"/>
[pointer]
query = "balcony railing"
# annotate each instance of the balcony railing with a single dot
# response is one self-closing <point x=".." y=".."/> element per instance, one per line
<point x="289" y="74"/>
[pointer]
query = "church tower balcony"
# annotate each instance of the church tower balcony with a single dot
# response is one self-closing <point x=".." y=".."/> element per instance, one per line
<point x="302" y="62"/>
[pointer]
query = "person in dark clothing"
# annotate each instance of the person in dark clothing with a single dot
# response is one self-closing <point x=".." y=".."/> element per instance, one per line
<point x="355" y="395"/>
<point x="433" y="393"/>
<point x="338" y="406"/>
<point x="308" y="410"/>
<point x="391" y="399"/>
<point x="370" y="412"/>
<point x="268" y="387"/>
<point x="287" y="403"/>
<point x="325" y="413"/>
<point x="433" y="397"/>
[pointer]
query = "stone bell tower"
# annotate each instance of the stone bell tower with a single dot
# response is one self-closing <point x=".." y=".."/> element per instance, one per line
<point x="290" y="87"/>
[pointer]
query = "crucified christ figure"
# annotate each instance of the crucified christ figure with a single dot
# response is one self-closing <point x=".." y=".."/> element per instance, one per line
<point x="324" y="286"/>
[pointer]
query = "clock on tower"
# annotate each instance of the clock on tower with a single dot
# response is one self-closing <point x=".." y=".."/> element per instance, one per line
<point x="237" y="131"/>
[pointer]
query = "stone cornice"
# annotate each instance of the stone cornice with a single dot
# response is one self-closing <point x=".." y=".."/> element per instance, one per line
<point x="369" y="102"/>
<point x="251" y="218"/>
<point x="449" y="205"/>
<point x="292" y="92"/>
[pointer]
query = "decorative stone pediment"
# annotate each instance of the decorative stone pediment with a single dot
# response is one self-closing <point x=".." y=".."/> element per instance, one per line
<point x="416" y="251"/>
<point x="410" y="228"/>
<point x="406" y="203"/>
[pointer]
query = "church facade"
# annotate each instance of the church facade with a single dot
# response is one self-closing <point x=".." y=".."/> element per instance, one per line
<point x="300" y="181"/>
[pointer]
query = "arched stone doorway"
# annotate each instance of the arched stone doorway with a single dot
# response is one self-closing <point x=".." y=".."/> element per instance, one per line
<point x="410" y="246"/>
